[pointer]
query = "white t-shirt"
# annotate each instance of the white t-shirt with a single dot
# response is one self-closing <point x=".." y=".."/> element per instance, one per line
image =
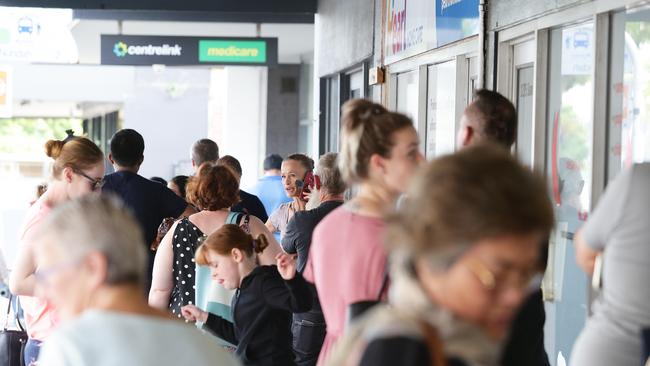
<point x="103" y="338"/>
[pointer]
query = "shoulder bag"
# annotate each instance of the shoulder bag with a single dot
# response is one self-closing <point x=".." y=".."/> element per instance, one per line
<point x="12" y="342"/>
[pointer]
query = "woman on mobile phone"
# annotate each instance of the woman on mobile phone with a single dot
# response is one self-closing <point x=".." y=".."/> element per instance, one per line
<point x="295" y="169"/>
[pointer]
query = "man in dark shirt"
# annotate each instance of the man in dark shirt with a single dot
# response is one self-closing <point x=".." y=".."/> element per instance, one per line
<point x="492" y="117"/>
<point x="309" y="328"/>
<point x="248" y="202"/>
<point x="150" y="201"/>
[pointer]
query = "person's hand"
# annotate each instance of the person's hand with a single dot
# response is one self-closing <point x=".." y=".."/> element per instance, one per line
<point x="314" y="200"/>
<point x="164" y="227"/>
<point x="286" y="266"/>
<point x="193" y="314"/>
<point x="307" y="194"/>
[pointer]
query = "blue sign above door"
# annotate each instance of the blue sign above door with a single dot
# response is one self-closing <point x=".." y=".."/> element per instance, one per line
<point x="455" y="20"/>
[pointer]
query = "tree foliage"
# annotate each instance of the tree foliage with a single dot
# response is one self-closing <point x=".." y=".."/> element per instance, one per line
<point x="28" y="135"/>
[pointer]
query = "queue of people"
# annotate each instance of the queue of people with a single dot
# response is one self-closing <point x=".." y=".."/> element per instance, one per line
<point x="428" y="263"/>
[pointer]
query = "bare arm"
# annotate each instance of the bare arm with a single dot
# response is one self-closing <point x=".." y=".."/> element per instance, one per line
<point x="585" y="256"/>
<point x="270" y="227"/>
<point x="22" y="280"/>
<point x="268" y="255"/>
<point x="162" y="281"/>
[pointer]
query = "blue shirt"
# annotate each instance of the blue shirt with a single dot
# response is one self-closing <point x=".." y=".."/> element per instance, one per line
<point x="271" y="192"/>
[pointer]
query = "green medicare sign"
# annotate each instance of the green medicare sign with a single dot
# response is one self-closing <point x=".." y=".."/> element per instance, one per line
<point x="232" y="51"/>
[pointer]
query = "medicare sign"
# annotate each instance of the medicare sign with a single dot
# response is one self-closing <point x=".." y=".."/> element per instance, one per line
<point x="149" y="50"/>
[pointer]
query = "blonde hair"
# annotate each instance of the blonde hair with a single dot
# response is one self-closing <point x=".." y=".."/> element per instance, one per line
<point x="78" y="153"/>
<point x="330" y="174"/>
<point x="99" y="223"/>
<point x="227" y="238"/>
<point x="480" y="192"/>
<point x="367" y="129"/>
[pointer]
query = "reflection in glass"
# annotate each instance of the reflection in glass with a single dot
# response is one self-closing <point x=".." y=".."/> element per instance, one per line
<point x="629" y="122"/>
<point x="569" y="160"/>
<point x="356" y="84"/>
<point x="441" y="109"/>
<point x="525" y="77"/>
<point x="407" y="95"/>
<point x="333" y="104"/>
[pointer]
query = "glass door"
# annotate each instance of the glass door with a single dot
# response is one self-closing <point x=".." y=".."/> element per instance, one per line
<point x="523" y="87"/>
<point x="629" y="120"/>
<point x="408" y="95"/>
<point x="441" y="109"/>
<point x="569" y="155"/>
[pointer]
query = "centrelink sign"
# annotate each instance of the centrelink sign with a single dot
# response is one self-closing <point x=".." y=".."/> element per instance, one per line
<point x="149" y="50"/>
<point x="121" y="49"/>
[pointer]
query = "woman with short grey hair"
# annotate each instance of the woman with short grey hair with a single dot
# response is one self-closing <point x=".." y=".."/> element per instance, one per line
<point x="91" y="267"/>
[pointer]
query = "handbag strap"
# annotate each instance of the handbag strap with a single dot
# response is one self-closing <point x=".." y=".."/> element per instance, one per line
<point x="434" y="345"/>
<point x="235" y="218"/>
<point x="6" y="324"/>
<point x="8" y="311"/>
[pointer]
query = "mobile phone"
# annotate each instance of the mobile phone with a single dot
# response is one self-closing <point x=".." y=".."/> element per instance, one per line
<point x="300" y="186"/>
<point x="311" y="180"/>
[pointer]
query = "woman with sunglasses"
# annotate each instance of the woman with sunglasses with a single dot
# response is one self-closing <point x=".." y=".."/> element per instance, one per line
<point x="465" y="249"/>
<point x="78" y="170"/>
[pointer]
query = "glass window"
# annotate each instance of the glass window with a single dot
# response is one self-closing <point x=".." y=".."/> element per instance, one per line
<point x="441" y="109"/>
<point x="333" y="114"/>
<point x="569" y="160"/>
<point x="472" y="71"/>
<point x="407" y="95"/>
<point x="356" y="85"/>
<point x="629" y="91"/>
<point x="525" y="77"/>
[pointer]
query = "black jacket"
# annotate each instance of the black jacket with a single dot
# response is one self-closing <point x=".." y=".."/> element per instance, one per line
<point x="525" y="345"/>
<point x="252" y="204"/>
<point x="297" y="235"/>
<point x="262" y="309"/>
<point x="400" y="350"/>
<point x="297" y="240"/>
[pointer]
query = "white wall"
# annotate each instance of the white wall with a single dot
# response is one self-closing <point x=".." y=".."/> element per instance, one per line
<point x="170" y="109"/>
<point x="243" y="124"/>
<point x="74" y="83"/>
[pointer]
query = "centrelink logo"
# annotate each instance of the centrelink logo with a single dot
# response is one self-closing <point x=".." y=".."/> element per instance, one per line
<point x="121" y="49"/>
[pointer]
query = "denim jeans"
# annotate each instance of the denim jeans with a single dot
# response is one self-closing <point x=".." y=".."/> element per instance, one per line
<point x="32" y="348"/>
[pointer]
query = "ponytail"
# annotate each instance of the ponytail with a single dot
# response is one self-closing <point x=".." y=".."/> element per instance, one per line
<point x="227" y="238"/>
<point x="260" y="243"/>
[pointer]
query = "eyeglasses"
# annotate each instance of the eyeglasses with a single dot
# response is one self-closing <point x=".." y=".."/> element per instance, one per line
<point x="497" y="281"/>
<point x="96" y="183"/>
<point x="43" y="274"/>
